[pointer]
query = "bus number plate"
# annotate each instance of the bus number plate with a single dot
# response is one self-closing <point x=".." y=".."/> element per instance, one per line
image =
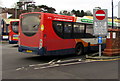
<point x="28" y="51"/>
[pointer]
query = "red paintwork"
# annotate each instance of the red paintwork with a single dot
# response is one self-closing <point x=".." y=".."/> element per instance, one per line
<point x="50" y="40"/>
<point x="11" y="32"/>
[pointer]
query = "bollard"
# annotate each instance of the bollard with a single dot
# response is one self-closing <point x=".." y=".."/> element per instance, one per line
<point x="112" y="43"/>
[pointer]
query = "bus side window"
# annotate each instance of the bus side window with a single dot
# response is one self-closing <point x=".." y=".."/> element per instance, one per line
<point x="58" y="28"/>
<point x="67" y="30"/>
<point x="78" y="30"/>
<point x="82" y="28"/>
<point x="89" y="31"/>
<point x="67" y="27"/>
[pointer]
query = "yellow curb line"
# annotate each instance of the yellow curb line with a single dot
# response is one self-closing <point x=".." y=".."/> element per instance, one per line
<point x="105" y="60"/>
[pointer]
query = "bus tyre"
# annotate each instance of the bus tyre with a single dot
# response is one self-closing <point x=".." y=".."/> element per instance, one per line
<point x="79" y="50"/>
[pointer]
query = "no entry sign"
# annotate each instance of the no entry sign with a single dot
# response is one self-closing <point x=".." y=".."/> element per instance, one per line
<point x="100" y="14"/>
<point x="100" y="22"/>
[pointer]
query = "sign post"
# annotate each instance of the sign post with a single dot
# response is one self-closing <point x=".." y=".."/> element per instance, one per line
<point x="100" y="21"/>
<point x="100" y="42"/>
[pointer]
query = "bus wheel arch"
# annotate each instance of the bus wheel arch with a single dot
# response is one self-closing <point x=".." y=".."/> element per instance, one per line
<point x="79" y="49"/>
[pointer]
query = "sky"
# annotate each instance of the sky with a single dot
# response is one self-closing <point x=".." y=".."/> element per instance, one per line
<point x="71" y="4"/>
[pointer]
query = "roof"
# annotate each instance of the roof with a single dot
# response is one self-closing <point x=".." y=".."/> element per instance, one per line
<point x="115" y="20"/>
<point x="7" y="21"/>
<point x="89" y="20"/>
<point x="109" y="19"/>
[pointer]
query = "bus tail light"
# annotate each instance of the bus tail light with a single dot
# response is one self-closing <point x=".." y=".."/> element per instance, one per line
<point x="10" y="38"/>
<point x="19" y="41"/>
<point x="42" y="27"/>
<point x="41" y="43"/>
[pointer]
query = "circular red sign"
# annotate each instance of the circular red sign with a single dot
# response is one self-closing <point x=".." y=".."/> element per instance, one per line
<point x="100" y="15"/>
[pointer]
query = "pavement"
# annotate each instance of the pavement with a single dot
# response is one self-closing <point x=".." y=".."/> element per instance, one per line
<point x="97" y="57"/>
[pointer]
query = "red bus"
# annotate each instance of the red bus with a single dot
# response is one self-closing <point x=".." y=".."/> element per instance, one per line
<point x="53" y="34"/>
<point x="13" y="32"/>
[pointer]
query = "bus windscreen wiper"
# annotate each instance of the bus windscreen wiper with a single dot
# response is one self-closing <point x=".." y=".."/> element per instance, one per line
<point x="34" y="26"/>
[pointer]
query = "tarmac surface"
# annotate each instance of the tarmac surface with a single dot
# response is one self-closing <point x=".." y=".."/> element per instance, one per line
<point x="26" y="66"/>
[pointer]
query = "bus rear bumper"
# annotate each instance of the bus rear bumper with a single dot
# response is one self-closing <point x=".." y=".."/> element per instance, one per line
<point x="43" y="52"/>
<point x="13" y="42"/>
<point x="31" y="50"/>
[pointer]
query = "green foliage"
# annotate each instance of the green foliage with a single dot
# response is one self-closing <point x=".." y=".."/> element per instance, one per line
<point x="88" y="13"/>
<point x="44" y="8"/>
<point x="65" y="12"/>
<point x="33" y="8"/>
<point x="81" y="13"/>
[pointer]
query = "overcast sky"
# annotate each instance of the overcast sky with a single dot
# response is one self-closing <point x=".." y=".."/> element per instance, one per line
<point x="72" y="4"/>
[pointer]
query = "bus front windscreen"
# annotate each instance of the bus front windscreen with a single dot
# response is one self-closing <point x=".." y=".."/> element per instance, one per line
<point x="15" y="27"/>
<point x="30" y="24"/>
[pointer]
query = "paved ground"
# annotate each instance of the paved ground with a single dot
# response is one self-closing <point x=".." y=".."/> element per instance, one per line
<point x="16" y="66"/>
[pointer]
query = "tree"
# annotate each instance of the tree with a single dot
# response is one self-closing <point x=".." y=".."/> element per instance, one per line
<point x="31" y="7"/>
<point x="78" y="13"/>
<point x="47" y="9"/>
<point x="82" y="13"/>
<point x="88" y="13"/>
<point x="20" y="4"/>
<point x="73" y="11"/>
<point x="51" y="10"/>
<point x="65" y="12"/>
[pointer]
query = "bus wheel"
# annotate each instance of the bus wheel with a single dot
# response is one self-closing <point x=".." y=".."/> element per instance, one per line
<point x="79" y="49"/>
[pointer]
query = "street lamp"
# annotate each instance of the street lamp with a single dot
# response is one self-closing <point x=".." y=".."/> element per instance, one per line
<point x="119" y="13"/>
<point x="16" y="12"/>
<point x="112" y="16"/>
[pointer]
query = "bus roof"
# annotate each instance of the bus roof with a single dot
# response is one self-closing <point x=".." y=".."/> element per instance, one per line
<point x="7" y="21"/>
<point x="53" y="16"/>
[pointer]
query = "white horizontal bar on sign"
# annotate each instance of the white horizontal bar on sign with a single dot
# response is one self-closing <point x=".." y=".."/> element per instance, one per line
<point x="100" y="14"/>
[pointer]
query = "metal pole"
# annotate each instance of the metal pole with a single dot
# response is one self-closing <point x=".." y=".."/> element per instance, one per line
<point x="15" y="13"/>
<point x="119" y="12"/>
<point x="112" y="16"/>
<point x="100" y="42"/>
<point x="99" y="50"/>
